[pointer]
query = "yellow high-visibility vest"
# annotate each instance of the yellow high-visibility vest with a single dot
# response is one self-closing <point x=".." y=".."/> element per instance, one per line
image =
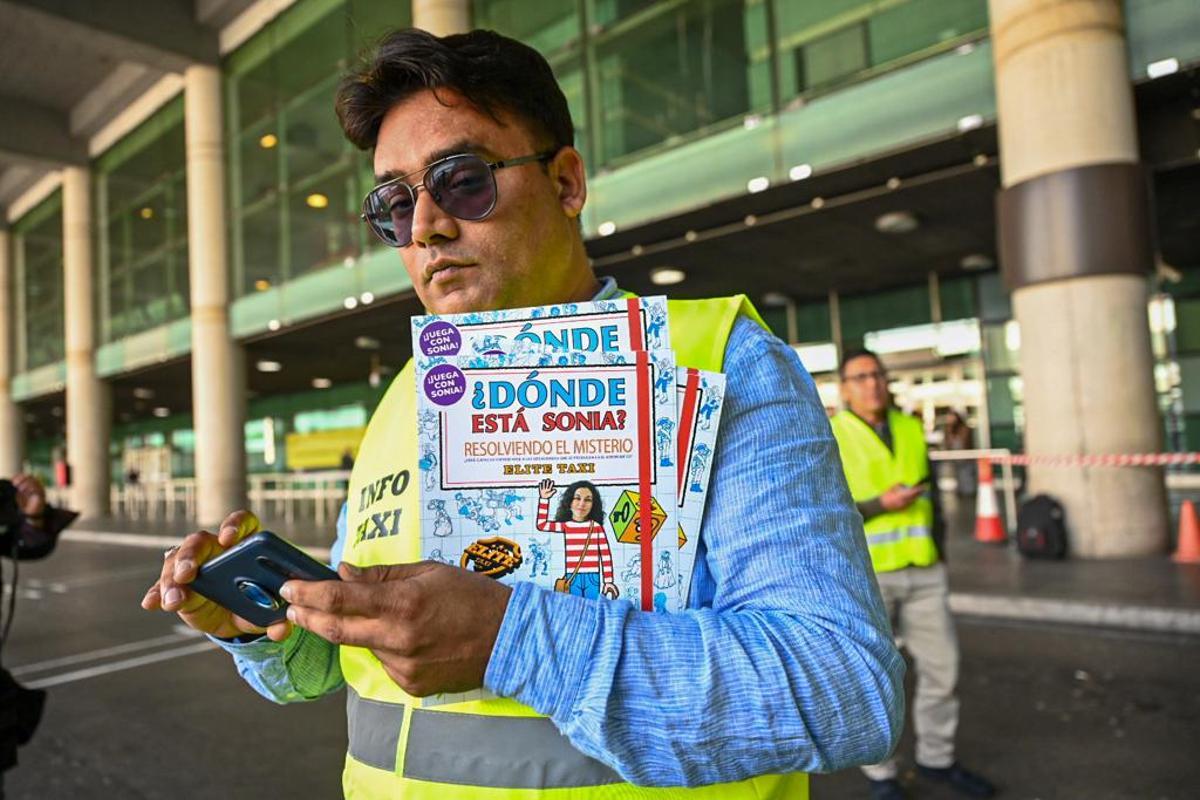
<point x="895" y="539"/>
<point x="496" y="748"/>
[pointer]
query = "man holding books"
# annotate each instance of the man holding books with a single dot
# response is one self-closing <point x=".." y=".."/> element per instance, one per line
<point x="783" y="661"/>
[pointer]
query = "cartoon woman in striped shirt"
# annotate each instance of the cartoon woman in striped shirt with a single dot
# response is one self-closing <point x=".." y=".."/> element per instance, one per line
<point x="580" y="518"/>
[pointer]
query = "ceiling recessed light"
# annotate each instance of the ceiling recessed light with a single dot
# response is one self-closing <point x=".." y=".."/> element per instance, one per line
<point x="666" y="276"/>
<point x="261" y="285"/>
<point x="274" y="325"/>
<point x="636" y="250"/>
<point x="366" y="343"/>
<point x="970" y="122"/>
<point x="350" y="302"/>
<point x="800" y="172"/>
<point x="146" y="213"/>
<point x="143" y="392"/>
<point x="162" y="411"/>
<point x="897" y="222"/>
<point x="1166" y="66"/>
<point x="759" y="184"/>
<point x="607" y="228"/>
<point x="366" y="298"/>
<point x="893" y="183"/>
<point x="321" y="383"/>
<point x="965" y="49"/>
<point x="267" y="141"/>
<point x="268" y="366"/>
<point x="317" y="200"/>
<point x="691" y="236"/>
<point x="976" y="262"/>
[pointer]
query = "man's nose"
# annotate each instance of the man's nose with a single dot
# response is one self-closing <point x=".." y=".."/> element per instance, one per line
<point x="430" y="224"/>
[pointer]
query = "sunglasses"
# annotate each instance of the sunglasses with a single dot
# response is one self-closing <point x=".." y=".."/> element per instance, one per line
<point x="464" y="186"/>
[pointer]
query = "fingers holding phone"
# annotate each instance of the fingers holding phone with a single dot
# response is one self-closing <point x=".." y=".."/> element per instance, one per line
<point x="171" y="592"/>
<point x="901" y="496"/>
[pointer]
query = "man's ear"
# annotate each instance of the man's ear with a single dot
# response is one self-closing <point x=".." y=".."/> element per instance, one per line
<point x="570" y="180"/>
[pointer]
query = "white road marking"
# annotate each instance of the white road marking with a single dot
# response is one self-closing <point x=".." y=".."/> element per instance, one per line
<point x="95" y="655"/>
<point x="151" y="541"/>
<point x="117" y="666"/>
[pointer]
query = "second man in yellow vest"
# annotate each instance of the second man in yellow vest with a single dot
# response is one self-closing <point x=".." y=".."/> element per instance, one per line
<point x="887" y="466"/>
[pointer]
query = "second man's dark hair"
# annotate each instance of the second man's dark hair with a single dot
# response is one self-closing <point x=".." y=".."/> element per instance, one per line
<point x="493" y="72"/>
<point x="850" y="355"/>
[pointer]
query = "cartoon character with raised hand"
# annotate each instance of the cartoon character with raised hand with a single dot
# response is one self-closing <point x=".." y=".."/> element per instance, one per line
<point x="588" y="571"/>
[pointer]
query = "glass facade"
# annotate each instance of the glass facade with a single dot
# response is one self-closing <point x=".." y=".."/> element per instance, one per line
<point x="38" y="288"/>
<point x="643" y="76"/>
<point x="141" y="210"/>
<point x="295" y="183"/>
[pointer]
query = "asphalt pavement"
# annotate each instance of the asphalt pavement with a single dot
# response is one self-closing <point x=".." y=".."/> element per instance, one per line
<point x="141" y="708"/>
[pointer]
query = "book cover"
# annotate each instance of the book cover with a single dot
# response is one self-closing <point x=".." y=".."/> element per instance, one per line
<point x="547" y="333"/>
<point x="538" y="473"/>
<point x="700" y="396"/>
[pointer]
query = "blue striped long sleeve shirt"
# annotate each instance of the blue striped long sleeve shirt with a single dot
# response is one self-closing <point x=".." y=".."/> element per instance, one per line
<point x="782" y="662"/>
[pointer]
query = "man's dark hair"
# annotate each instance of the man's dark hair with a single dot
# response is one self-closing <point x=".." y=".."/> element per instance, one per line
<point x="850" y="355"/>
<point x="493" y="72"/>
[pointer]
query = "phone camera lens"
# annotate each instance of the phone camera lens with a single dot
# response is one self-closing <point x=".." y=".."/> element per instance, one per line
<point x="257" y="595"/>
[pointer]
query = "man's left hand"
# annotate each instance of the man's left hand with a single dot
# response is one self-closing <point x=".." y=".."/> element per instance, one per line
<point x="31" y="496"/>
<point x="431" y="625"/>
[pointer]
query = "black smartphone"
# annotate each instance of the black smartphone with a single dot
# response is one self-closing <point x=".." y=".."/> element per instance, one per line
<point x="246" y="578"/>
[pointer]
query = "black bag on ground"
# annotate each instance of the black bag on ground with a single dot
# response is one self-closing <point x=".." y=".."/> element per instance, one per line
<point x="1042" y="528"/>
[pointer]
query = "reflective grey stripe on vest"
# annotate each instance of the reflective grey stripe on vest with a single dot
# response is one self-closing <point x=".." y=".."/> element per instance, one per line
<point x="471" y="749"/>
<point x="374" y="729"/>
<point x="887" y="537"/>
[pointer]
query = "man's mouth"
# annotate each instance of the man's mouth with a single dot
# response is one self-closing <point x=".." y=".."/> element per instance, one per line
<point x="443" y="268"/>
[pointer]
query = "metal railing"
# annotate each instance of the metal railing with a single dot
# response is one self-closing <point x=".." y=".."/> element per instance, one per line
<point x="287" y="496"/>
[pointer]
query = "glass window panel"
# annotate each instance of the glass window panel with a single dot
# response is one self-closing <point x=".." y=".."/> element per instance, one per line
<point x="546" y="25"/>
<point x="832" y="58"/>
<point x="918" y="24"/>
<point x="957" y="298"/>
<point x="260" y="246"/>
<point x="258" y="166"/>
<point x="314" y="140"/>
<point x="322" y="221"/>
<point x="313" y="56"/>
<point x="370" y="19"/>
<point x="677" y="72"/>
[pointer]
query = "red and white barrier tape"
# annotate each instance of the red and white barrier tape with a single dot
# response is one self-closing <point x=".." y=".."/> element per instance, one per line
<point x="1124" y="460"/>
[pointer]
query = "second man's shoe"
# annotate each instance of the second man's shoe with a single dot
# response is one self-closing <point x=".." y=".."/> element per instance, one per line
<point x="960" y="779"/>
<point x="886" y="790"/>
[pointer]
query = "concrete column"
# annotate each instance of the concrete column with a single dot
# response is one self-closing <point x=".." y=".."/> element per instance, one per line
<point x="442" y="17"/>
<point x="89" y="399"/>
<point x="12" y="421"/>
<point x="1075" y="247"/>
<point x="218" y="363"/>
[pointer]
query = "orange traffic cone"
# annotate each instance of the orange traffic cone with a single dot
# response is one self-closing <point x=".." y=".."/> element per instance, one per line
<point x="1187" y="550"/>
<point x="988" y="528"/>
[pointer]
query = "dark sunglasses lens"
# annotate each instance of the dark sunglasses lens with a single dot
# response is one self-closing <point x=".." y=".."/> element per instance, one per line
<point x="463" y="186"/>
<point x="389" y="211"/>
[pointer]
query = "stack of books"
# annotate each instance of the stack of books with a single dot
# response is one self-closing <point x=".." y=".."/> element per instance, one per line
<point x="563" y="445"/>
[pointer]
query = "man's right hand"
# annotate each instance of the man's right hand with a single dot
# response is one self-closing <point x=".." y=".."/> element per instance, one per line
<point x="900" y="496"/>
<point x="170" y="592"/>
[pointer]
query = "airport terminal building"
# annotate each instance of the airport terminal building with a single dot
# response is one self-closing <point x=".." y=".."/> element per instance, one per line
<point x="999" y="197"/>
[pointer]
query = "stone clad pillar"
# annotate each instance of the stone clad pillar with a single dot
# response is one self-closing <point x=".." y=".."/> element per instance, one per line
<point x="218" y="363"/>
<point x="1075" y="247"/>
<point x="89" y="399"/>
<point x="442" y="17"/>
<point x="12" y="422"/>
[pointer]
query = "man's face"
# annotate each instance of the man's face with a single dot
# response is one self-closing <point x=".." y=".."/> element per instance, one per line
<point x="522" y="253"/>
<point x="864" y="386"/>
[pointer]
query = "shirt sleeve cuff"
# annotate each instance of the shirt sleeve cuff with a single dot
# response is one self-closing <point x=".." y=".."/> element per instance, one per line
<point x="542" y="648"/>
<point x="258" y="650"/>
